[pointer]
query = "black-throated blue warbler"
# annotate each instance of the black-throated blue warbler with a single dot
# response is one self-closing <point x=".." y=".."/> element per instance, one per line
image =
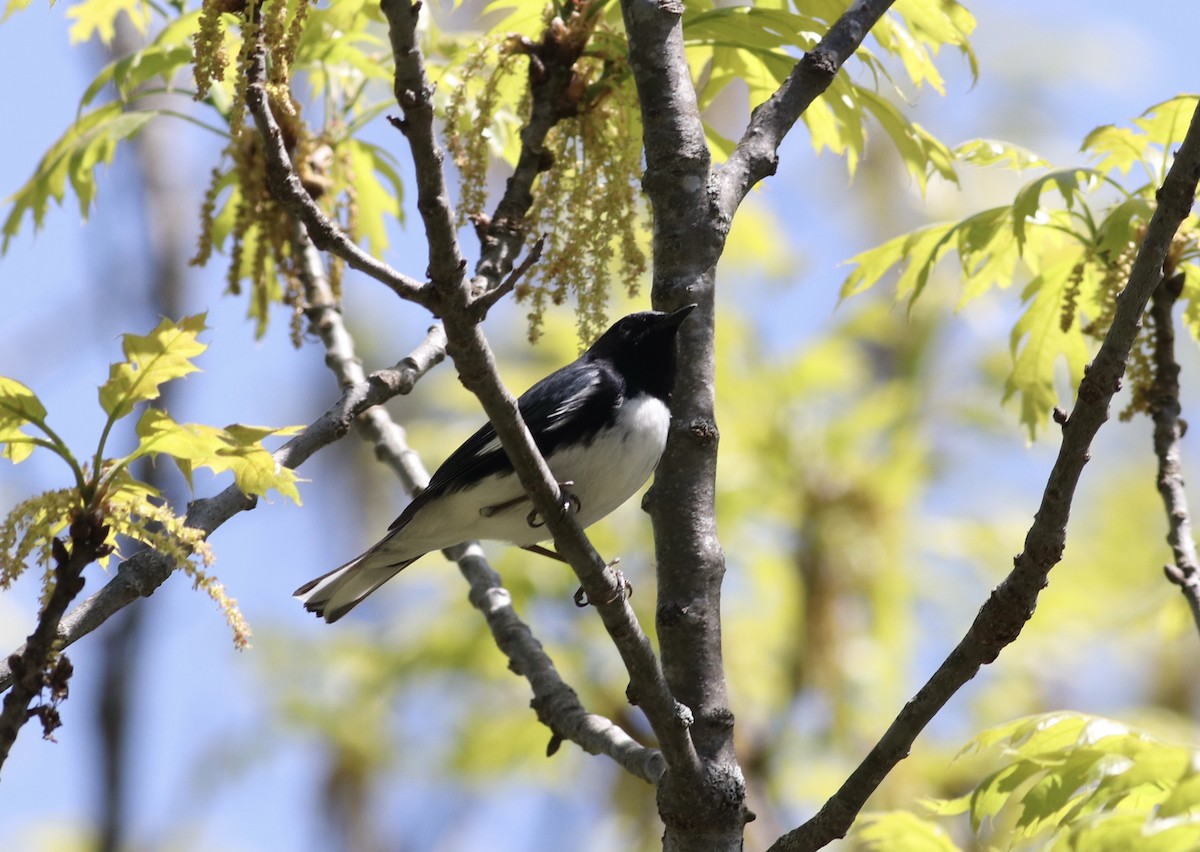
<point x="601" y="424"/>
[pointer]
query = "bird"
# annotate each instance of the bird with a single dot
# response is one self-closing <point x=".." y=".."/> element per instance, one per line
<point x="600" y="422"/>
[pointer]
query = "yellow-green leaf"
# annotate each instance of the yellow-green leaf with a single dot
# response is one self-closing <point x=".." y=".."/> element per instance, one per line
<point x="1038" y="341"/>
<point x="14" y="6"/>
<point x="87" y="143"/>
<point x="18" y="404"/>
<point x="990" y="152"/>
<point x="237" y="449"/>
<point x="377" y="203"/>
<point x="1071" y="184"/>
<point x="99" y="17"/>
<point x="902" y="831"/>
<point x="164" y="354"/>
<point x="1117" y="147"/>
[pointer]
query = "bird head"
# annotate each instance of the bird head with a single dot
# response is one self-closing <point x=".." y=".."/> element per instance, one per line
<point x="641" y="346"/>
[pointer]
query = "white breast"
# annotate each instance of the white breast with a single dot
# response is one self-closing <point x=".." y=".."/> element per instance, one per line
<point x="604" y="475"/>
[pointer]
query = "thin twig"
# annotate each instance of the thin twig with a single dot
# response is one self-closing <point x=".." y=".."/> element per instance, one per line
<point x="1168" y="433"/>
<point x="757" y="153"/>
<point x="286" y="186"/>
<point x="482" y="304"/>
<point x="1011" y="604"/>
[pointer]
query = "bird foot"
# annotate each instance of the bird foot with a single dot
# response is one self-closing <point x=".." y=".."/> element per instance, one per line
<point x="570" y="503"/>
<point x="624" y="588"/>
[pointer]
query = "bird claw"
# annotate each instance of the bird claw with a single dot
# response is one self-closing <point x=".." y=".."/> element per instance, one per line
<point x="570" y="502"/>
<point x="624" y="589"/>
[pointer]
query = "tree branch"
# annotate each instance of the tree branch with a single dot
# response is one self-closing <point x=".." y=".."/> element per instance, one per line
<point x="757" y="153"/>
<point x="34" y="666"/>
<point x="285" y="186"/>
<point x="484" y="302"/>
<point x="1012" y="603"/>
<point x="1168" y="433"/>
<point x="706" y="810"/>
<point x="477" y="370"/>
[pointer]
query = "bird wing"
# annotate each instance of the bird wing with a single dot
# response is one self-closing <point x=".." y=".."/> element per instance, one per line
<point x="569" y="405"/>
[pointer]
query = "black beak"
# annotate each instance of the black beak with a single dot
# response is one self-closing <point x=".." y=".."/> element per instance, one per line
<point x="675" y="319"/>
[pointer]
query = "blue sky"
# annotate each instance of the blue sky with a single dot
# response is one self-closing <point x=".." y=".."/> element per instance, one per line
<point x="1050" y="72"/>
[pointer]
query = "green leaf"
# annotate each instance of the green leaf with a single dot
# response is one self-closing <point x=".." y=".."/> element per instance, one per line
<point x="1184" y="798"/>
<point x="987" y="252"/>
<point x="991" y="152"/>
<point x="132" y="72"/>
<point x="1038" y="341"/>
<point x="94" y="17"/>
<point x="996" y="791"/>
<point x="1120" y="228"/>
<point x="749" y="27"/>
<point x="921" y="153"/>
<point x="237" y="449"/>
<point x="18" y="406"/>
<point x="1087" y="783"/>
<point x="919" y="251"/>
<point x="934" y="23"/>
<point x="376" y="203"/>
<point x="90" y="141"/>
<point x="14" y="6"/>
<point x="162" y="355"/>
<point x="1071" y="184"/>
<point x="1166" y="123"/>
<point x="1117" y="148"/>
<point x="902" y="831"/>
<point x="1123" y="832"/>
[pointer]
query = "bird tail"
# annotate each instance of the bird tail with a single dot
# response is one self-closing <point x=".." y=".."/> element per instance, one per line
<point x="333" y="595"/>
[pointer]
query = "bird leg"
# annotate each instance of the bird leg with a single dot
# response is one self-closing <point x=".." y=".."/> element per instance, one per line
<point x="570" y="501"/>
<point x="543" y="551"/>
<point x="624" y="587"/>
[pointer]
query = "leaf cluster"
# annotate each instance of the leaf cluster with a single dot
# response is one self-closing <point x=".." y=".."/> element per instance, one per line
<point x="760" y="43"/>
<point x="1071" y="781"/>
<point x="131" y="508"/>
<point x="330" y="74"/>
<point x="1071" y="232"/>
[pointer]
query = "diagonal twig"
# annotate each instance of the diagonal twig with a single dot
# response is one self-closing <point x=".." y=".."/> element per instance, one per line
<point x="756" y="155"/>
<point x="286" y="186"/>
<point x="1168" y="433"/>
<point x="483" y="303"/>
<point x="477" y="370"/>
<point x="1011" y="604"/>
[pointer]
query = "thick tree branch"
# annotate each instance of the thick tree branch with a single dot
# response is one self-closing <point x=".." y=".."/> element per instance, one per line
<point x="757" y="153"/>
<point x="557" y="705"/>
<point x="1011" y="604"/>
<point x="705" y="811"/>
<point x="34" y="667"/>
<point x="1168" y="432"/>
